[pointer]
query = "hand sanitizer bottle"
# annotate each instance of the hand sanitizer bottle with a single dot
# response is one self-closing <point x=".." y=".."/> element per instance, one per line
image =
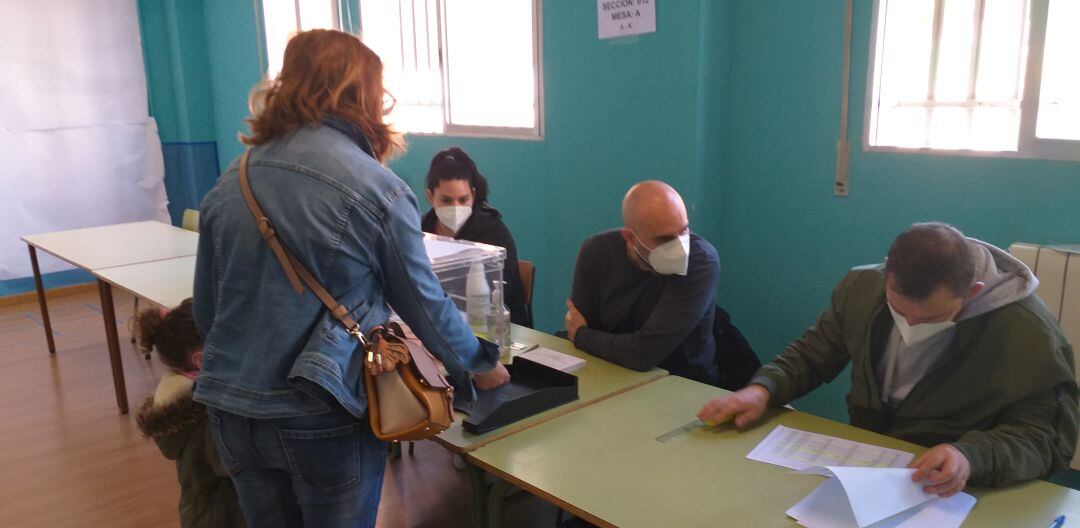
<point x="477" y="299"/>
<point x="498" y="321"/>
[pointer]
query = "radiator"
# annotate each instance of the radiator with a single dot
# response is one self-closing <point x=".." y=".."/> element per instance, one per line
<point x="1058" y="270"/>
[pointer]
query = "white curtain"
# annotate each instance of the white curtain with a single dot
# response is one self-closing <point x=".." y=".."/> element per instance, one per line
<point x="77" y="146"/>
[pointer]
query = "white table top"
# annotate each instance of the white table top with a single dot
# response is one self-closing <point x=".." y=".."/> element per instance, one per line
<point x="95" y="248"/>
<point x="163" y="282"/>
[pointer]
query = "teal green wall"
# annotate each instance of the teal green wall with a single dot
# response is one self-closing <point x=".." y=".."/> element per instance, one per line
<point x="786" y="239"/>
<point x="202" y="59"/>
<point x="234" y="50"/>
<point x="181" y="98"/>
<point x="175" y="53"/>
<point x="712" y="120"/>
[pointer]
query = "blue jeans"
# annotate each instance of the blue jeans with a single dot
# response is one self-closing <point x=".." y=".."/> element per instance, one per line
<point x="324" y="470"/>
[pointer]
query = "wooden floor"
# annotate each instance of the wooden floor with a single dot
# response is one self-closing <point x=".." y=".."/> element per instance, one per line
<point x="68" y="458"/>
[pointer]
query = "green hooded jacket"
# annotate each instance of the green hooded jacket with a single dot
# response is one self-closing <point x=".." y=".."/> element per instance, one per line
<point x="1003" y="391"/>
<point x="181" y="430"/>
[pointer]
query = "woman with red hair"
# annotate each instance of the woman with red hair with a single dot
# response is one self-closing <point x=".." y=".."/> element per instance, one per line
<point x="281" y="378"/>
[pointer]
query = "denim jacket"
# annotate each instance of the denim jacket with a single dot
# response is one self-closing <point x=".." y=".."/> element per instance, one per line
<point x="270" y="353"/>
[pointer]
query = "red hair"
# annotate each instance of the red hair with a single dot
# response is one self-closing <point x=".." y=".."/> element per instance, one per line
<point x="325" y="72"/>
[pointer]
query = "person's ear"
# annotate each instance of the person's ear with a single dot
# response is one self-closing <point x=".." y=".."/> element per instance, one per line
<point x="975" y="289"/>
<point x="196" y="359"/>
<point x="627" y="235"/>
<point x="430" y="197"/>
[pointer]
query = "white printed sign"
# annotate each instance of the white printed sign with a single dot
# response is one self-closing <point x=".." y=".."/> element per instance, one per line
<point x="619" y="18"/>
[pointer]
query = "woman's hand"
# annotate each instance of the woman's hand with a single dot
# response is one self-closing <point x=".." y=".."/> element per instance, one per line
<point x="494" y="378"/>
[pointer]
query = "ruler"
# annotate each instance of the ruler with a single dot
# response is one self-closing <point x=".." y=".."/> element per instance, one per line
<point x="679" y="431"/>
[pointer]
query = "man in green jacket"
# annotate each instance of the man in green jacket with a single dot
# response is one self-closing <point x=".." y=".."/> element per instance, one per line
<point x="950" y="348"/>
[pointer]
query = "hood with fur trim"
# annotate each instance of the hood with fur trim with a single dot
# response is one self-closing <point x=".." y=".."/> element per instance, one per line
<point x="170" y="416"/>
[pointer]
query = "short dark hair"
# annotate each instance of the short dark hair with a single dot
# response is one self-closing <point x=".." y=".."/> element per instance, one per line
<point x="454" y="164"/>
<point x="927" y="256"/>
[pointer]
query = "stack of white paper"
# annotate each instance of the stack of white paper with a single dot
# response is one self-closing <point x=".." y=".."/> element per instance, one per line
<point x="555" y="360"/>
<point x="796" y="449"/>
<point x="854" y="497"/>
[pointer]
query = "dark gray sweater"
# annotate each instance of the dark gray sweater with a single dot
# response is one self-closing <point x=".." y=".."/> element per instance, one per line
<point x="640" y="319"/>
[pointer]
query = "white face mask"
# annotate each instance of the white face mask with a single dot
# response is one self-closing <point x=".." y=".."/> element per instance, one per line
<point x="670" y="258"/>
<point x="912" y="334"/>
<point x="453" y="216"/>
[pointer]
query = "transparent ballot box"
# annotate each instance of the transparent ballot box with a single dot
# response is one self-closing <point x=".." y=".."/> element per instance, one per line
<point x="472" y="275"/>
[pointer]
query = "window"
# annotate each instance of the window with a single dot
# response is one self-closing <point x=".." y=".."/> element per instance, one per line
<point x="284" y="18"/>
<point x="463" y="67"/>
<point x="976" y="76"/>
<point x="1059" y="95"/>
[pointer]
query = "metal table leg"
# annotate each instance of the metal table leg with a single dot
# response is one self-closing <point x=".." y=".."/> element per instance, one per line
<point x="41" y="299"/>
<point x="496" y="503"/>
<point x="108" y="312"/>
<point x="479" y="494"/>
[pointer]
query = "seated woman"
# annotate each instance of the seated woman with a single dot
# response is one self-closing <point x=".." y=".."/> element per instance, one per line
<point x="458" y="193"/>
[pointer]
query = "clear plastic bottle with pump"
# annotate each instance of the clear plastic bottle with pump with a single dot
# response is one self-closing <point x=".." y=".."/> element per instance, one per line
<point x="498" y="321"/>
<point x="477" y="299"/>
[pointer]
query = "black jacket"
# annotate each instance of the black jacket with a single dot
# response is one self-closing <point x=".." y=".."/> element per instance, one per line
<point x="485" y="225"/>
<point x="639" y="319"/>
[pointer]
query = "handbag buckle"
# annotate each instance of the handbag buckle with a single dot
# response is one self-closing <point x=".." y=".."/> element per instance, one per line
<point x="355" y="332"/>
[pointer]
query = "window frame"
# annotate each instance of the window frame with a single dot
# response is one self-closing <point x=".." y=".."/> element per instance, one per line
<point x="263" y="35"/>
<point x="1029" y="146"/>
<point x="536" y="133"/>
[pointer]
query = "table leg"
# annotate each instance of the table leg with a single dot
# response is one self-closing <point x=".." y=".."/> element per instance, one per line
<point x="496" y="503"/>
<point x="108" y="312"/>
<point x="41" y="299"/>
<point x="479" y="493"/>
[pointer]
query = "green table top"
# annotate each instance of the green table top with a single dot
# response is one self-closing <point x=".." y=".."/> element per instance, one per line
<point x="604" y="464"/>
<point x="597" y="380"/>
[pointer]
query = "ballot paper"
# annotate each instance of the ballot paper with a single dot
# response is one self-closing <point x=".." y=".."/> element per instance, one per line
<point x="796" y="449"/>
<point x="441" y="249"/>
<point x="853" y="497"/>
<point x="555" y="360"/>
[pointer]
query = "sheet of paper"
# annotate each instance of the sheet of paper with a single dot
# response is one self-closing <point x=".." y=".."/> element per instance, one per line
<point x="828" y="507"/>
<point x="874" y="494"/>
<point x="942" y="513"/>
<point x="555" y="360"/>
<point x="440" y="249"/>
<point x="876" y="498"/>
<point x="796" y="449"/>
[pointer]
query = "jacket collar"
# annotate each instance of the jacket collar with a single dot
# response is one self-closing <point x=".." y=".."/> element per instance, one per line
<point x="351" y="130"/>
<point x="880" y="326"/>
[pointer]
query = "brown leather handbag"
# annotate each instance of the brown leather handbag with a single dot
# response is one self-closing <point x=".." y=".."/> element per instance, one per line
<point x="408" y="397"/>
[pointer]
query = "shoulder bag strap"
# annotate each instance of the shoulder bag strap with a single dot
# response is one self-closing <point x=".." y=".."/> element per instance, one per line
<point x="294" y="269"/>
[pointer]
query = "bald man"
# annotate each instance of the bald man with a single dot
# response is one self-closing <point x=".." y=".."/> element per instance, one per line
<point x="644" y="296"/>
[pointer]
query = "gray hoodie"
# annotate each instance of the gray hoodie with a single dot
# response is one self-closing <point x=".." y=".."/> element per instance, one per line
<point x="1007" y="280"/>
